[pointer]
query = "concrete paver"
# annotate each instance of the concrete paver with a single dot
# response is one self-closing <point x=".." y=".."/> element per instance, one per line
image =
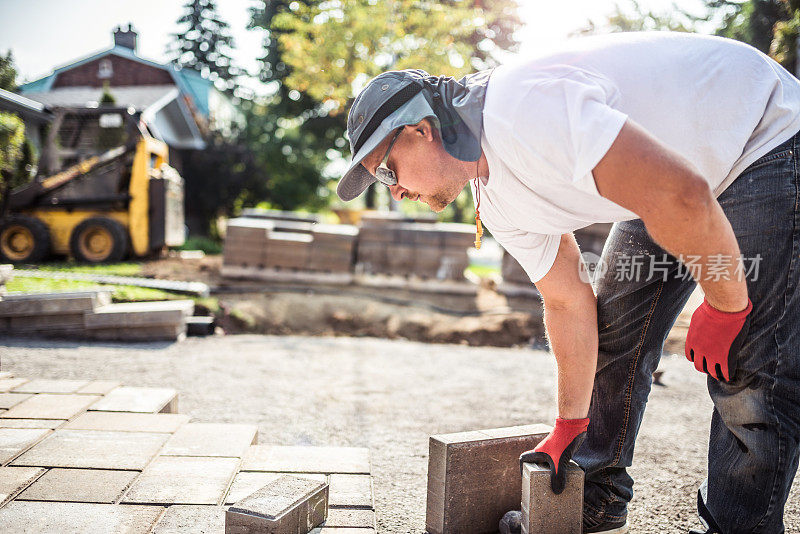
<point x="194" y="519"/>
<point x="247" y="483"/>
<point x="31" y="423"/>
<point x="8" y="400"/>
<point x="7" y="384"/>
<point x="50" y="406"/>
<point x="543" y="510"/>
<point x="287" y="505"/>
<point x="79" y="485"/>
<point x="46" y="385"/>
<point x="96" y="449"/>
<point x="15" y="479"/>
<point x="128" y="422"/>
<point x="211" y="439"/>
<point x="15" y="440"/>
<point x="292" y="459"/>
<point x="99" y="387"/>
<point x="343" y="517"/>
<point x="474" y="477"/>
<point x="136" y="399"/>
<point x="36" y="517"/>
<point x="183" y="480"/>
<point x="351" y="491"/>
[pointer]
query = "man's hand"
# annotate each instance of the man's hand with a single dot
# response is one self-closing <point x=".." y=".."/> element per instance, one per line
<point x="714" y="339"/>
<point x="557" y="449"/>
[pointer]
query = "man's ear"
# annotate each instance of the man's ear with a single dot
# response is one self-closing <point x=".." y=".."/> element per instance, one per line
<point x="424" y="129"/>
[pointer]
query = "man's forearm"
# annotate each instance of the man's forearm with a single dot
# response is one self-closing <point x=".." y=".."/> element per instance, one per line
<point x="572" y="332"/>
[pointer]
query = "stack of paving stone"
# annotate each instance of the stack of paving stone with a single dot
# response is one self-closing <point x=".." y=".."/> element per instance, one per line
<point x="332" y="247"/>
<point x="590" y="239"/>
<point x="260" y="244"/>
<point x="90" y="314"/>
<point x="427" y="250"/>
<point x="94" y="456"/>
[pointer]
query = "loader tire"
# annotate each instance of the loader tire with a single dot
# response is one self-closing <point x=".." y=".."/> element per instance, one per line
<point x="23" y="239"/>
<point x="99" y="240"/>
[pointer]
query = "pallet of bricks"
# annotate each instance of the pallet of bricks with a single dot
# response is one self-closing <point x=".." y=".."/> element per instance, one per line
<point x="590" y="239"/>
<point x="391" y="244"/>
<point x="268" y="244"/>
<point x="90" y="314"/>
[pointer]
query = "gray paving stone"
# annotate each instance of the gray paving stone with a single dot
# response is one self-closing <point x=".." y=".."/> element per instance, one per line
<point x="15" y="440"/>
<point x="38" y="304"/>
<point x="247" y="483"/>
<point x="31" y="423"/>
<point x="99" y="387"/>
<point x="195" y="519"/>
<point x="342" y="530"/>
<point x="139" y="333"/>
<point x="183" y="480"/>
<point x="7" y="384"/>
<point x="45" y="385"/>
<point x="128" y="422"/>
<point x="15" y="479"/>
<point x="345" y="517"/>
<point x="36" y="517"/>
<point x="136" y="399"/>
<point x="354" y="460"/>
<point x="351" y="491"/>
<point x="50" y="406"/>
<point x="136" y="314"/>
<point x="96" y="449"/>
<point x="7" y="400"/>
<point x="543" y="510"/>
<point x="211" y="439"/>
<point x="287" y="505"/>
<point x="79" y="485"/>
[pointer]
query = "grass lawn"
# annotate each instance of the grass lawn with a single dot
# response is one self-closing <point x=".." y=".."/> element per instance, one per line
<point x="117" y="269"/>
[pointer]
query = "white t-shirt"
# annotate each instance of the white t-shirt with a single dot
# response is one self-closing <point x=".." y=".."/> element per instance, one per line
<point x="549" y="120"/>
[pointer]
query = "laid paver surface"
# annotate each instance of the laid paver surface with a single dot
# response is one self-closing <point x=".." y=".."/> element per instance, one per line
<point x="391" y="396"/>
<point x="197" y="519"/>
<point x="350" y="491"/>
<point x="50" y="406"/>
<point x="45" y="385"/>
<point x="211" y="439"/>
<point x="135" y="399"/>
<point x="36" y="517"/>
<point x="183" y="480"/>
<point x="298" y="460"/>
<point x="79" y="485"/>
<point x="98" y="449"/>
<point x="7" y="400"/>
<point x="128" y="422"/>
<point x="99" y="387"/>
<point x="15" y="440"/>
<point x="31" y="423"/>
<point x="15" y="479"/>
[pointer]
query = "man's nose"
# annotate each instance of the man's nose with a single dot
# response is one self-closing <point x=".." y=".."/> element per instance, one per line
<point x="397" y="191"/>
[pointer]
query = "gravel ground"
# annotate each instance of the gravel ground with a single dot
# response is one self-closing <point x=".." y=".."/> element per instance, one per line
<point x="390" y="396"/>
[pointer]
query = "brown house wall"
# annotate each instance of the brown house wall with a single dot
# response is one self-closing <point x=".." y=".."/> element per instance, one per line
<point x="125" y="72"/>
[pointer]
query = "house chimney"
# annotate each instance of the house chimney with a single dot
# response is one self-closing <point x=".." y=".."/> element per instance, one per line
<point x="125" y="37"/>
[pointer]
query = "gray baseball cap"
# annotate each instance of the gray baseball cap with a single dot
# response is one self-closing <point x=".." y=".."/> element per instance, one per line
<point x="391" y="100"/>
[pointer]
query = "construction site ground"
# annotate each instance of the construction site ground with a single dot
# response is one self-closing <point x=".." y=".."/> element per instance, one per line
<point x="390" y="396"/>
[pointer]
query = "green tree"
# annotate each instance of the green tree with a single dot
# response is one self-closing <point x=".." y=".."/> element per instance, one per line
<point x="12" y="151"/>
<point x="8" y="73"/>
<point x="316" y="53"/>
<point x="204" y="44"/>
<point x="634" y="18"/>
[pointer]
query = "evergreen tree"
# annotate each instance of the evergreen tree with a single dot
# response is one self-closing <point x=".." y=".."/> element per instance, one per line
<point x="204" y="44"/>
<point x="8" y="74"/>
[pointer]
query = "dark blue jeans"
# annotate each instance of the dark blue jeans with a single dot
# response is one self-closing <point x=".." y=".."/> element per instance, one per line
<point x="755" y="427"/>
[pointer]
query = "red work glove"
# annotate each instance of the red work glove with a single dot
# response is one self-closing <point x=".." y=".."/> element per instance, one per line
<point x="714" y="339"/>
<point x="556" y="450"/>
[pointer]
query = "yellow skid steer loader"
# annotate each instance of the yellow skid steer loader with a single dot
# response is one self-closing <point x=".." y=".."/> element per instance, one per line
<point x="126" y="201"/>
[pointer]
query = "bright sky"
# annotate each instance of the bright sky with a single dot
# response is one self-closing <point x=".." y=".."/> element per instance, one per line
<point x="45" y="34"/>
